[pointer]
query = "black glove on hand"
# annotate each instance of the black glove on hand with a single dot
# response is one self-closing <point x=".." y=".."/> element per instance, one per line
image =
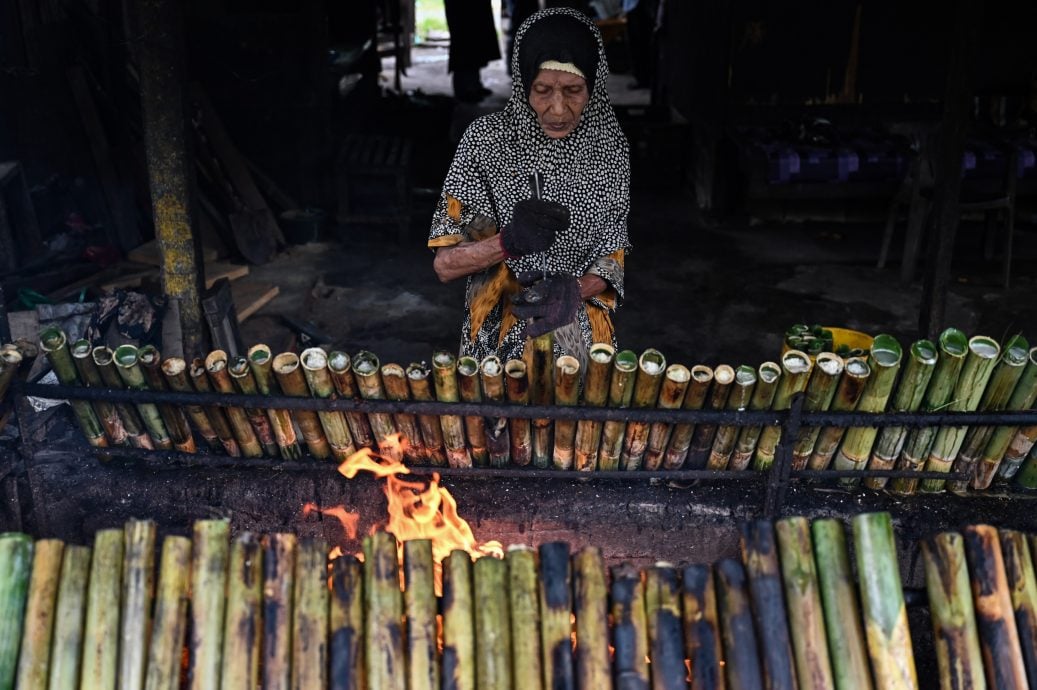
<point x="534" y="224"/>
<point x="548" y="304"/>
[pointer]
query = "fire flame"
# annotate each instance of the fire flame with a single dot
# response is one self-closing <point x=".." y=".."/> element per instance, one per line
<point x="349" y="521"/>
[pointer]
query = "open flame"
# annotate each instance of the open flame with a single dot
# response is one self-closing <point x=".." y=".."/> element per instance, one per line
<point x="349" y="521"/>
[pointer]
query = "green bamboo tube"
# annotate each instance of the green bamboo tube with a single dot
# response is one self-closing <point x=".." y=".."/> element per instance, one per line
<point x="760" y="558"/>
<point x="100" y="653"/>
<point x="366" y="368"/>
<point x="953" y="346"/>
<point x="492" y="625"/>
<point x="848" y="650"/>
<point x="458" y="623"/>
<point x="519" y="428"/>
<point x="279" y="583"/>
<point x="383" y="631"/>
<point x="341" y="367"/>
<point x="215" y="366"/>
<point x="38" y="629"/>
<point x="208" y="584"/>
<point x="885" y="615"/>
<point x="566" y="394"/>
<point x="651" y="367"/>
<point x="595" y="394"/>
<point x="347" y="624"/>
<point x="236" y="376"/>
<point x="174" y="369"/>
<point x="767" y="377"/>
<point x="431" y="431"/>
<point x="104" y="362"/>
<point x="741" y="650"/>
<point x="740" y="396"/>
<point x="220" y="423"/>
<point x="314" y="362"/>
<point x="138" y="590"/>
<point x="796" y="367"/>
<point x="474" y="425"/>
<point x="1021" y="453"/>
<point x="629" y="628"/>
<point x="671" y="396"/>
<point x="705" y="433"/>
<point x="172" y="416"/>
<point x="419" y="603"/>
<point x="167" y="638"/>
<point x="958" y="658"/>
<point x="702" y="628"/>
<point x="539" y="358"/>
<point x="803" y="596"/>
<point x="246" y="376"/>
<point x="524" y="606"/>
<point x="694" y="398"/>
<point x="16" y="556"/>
<point x="968" y="391"/>
<point x="665" y="629"/>
<point x="54" y="342"/>
<point x="820" y="392"/>
<point x="444" y="375"/>
<point x="68" y="619"/>
<point x="310" y="619"/>
<point x="993" y="460"/>
<point x="127" y="364"/>
<point x="592" y="628"/>
<point x="292" y="382"/>
<point x="555" y="583"/>
<point x="498" y="440"/>
<point x="243" y="620"/>
<point x="621" y="394"/>
<point x="107" y="413"/>
<point x="394" y="378"/>
<point x="998" y="391"/>
<point x="1019" y="570"/>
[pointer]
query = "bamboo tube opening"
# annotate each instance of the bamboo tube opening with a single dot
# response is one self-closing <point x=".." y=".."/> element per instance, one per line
<point x="392" y="370"/>
<point x="796" y="362"/>
<point x="924" y="351"/>
<point x="678" y="373"/>
<point x="831" y="364"/>
<point x="314" y="359"/>
<point x="286" y="362"/>
<point x="984" y="347"/>
<point x="339" y="362"/>
<point x="652" y="362"/>
<point x="102" y="355"/>
<point x="80" y="350"/>
<point x="467" y="366"/>
<point x="857" y="367"/>
<point x="1015" y="352"/>
<point x="724" y="374"/>
<point x="953" y="342"/>
<point x="238" y="367"/>
<point x="491" y="366"/>
<point x="259" y="354"/>
<point x="603" y="353"/>
<point x="125" y="355"/>
<point x="515" y="368"/>
<point x="148" y="355"/>
<point x="173" y="366"/>
<point x="745" y="375"/>
<point x="627" y="360"/>
<point x="701" y="373"/>
<point x="215" y="362"/>
<point x="566" y="364"/>
<point x="365" y="363"/>
<point x="769" y="372"/>
<point x="417" y="371"/>
<point x="52" y="339"/>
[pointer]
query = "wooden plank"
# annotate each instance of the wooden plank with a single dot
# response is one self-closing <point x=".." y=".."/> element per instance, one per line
<point x="251" y="297"/>
<point x="223" y="269"/>
<point x="148" y="253"/>
<point x="128" y="280"/>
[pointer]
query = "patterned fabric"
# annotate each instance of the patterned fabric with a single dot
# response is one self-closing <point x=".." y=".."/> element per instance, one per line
<point x="588" y="171"/>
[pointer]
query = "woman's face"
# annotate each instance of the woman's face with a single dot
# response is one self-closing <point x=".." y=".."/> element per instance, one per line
<point x="558" y="98"/>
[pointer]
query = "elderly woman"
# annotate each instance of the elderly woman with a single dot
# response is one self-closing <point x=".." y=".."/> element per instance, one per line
<point x="566" y="234"/>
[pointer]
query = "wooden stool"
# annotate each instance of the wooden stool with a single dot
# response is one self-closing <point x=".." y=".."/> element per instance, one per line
<point x="363" y="162"/>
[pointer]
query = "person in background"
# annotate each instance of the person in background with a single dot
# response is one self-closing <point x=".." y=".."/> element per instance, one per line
<point x="473" y="45"/>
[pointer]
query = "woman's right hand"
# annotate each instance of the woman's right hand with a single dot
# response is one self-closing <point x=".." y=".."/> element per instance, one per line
<point x="534" y="224"/>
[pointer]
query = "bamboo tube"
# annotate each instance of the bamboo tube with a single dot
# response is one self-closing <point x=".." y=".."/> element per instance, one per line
<point x="848" y="393"/>
<point x="848" y="651"/>
<point x="767" y="377"/>
<point x="595" y="394"/>
<point x="592" y="627"/>
<point x="107" y="413"/>
<point x="104" y="361"/>
<point x="444" y="375"/>
<point x="803" y="594"/>
<point x="220" y="423"/>
<point x="741" y="651"/>
<point x="314" y="362"/>
<point x="138" y="589"/>
<point x="760" y="558"/>
<point x="621" y="393"/>
<point x="253" y="375"/>
<point x="1019" y="570"/>
<point x="347" y="624"/>
<point x="127" y="364"/>
<point x="310" y="619"/>
<point x="498" y="441"/>
<point x="100" y="653"/>
<point x="394" y="378"/>
<point x="539" y="358"/>
<point x="738" y="400"/>
<point x="366" y="367"/>
<point x="819" y="394"/>
<point x="651" y="367"/>
<point x="566" y="394"/>
<point x="383" y="634"/>
<point x="993" y="460"/>
<point x="475" y="427"/>
<point x="555" y="580"/>
<point x="53" y="342"/>
<point x="208" y="585"/>
<point x="702" y="628"/>
<point x="705" y="433"/>
<point x="239" y="377"/>
<point x="167" y="638"/>
<point x="958" y="657"/>
<point x="1021" y="453"/>
<point x="419" y="598"/>
<point x="279" y="585"/>
<point x="215" y="365"/>
<point x="953" y="346"/>
<point x="524" y="608"/>
<point x="885" y="615"/>
<point x="458" y="623"/>
<point x="492" y="625"/>
<point x="34" y="657"/>
<point x="10" y="360"/>
<point x="671" y="395"/>
<point x="175" y="371"/>
<point x="796" y="367"/>
<point x="341" y="367"/>
<point x="293" y="382"/>
<point x="519" y="428"/>
<point x="665" y="631"/>
<point x="629" y="629"/>
<point x="243" y="621"/>
<point x="172" y="416"/>
<point x="16" y="557"/>
<point x="68" y="619"/>
<point x="694" y="398"/>
<point x="431" y="431"/>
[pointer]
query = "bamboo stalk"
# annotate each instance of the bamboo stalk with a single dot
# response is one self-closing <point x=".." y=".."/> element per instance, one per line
<point x="172" y="416"/>
<point x="592" y="628"/>
<point x="10" y="360"/>
<point x="419" y="598"/>
<point x="347" y="624"/>
<point x="796" y="367"/>
<point x="694" y="398"/>
<point x="292" y="382"/>
<point x="767" y="377"/>
<point x="705" y="433"/>
<point x="519" y="428"/>
<point x="458" y="622"/>
<point x="138" y="590"/>
<point x="539" y="358"/>
<point x="621" y="393"/>
<point x="104" y="361"/>
<point x="475" y="427"/>
<point x="366" y="367"/>
<point x="566" y="394"/>
<point x="739" y="399"/>
<point x="175" y="371"/>
<point x="555" y="580"/>
<point x="492" y="625"/>
<point x="671" y="396"/>
<point x="431" y="431"/>
<point x="54" y="342"/>
<point x="444" y="376"/>
<point x="314" y="362"/>
<point x="665" y="631"/>
<point x="341" y="367"/>
<point x="1019" y="570"/>
<point x="100" y="654"/>
<point x="651" y="367"/>
<point x="167" y="639"/>
<point x="525" y="617"/>
<point x="595" y="394"/>
<point x="68" y="619"/>
<point x="741" y="650"/>
<point x="629" y="628"/>
<point x="127" y="364"/>
<point x="16" y="555"/>
<point x="107" y="413"/>
<point x="242" y="381"/>
<point x="383" y="634"/>
<point x="216" y="415"/>
<point x="394" y="378"/>
<point x="253" y="375"/>
<point x="243" y="622"/>
<point x="498" y="440"/>
<point x="1021" y="453"/>
<point x="820" y="391"/>
<point x="279" y="583"/>
<point x="702" y="628"/>
<point x="993" y="460"/>
<point x="760" y="558"/>
<point x="215" y="365"/>
<point x="34" y="657"/>
<point x="208" y="601"/>
<point x="310" y="619"/>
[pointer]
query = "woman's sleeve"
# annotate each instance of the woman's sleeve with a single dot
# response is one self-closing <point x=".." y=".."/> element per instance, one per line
<point x="462" y="198"/>
<point x="614" y="242"/>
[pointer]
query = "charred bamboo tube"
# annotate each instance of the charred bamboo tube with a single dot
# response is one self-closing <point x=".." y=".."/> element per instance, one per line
<point x="366" y="367"/>
<point x="394" y="378"/>
<point x="498" y="440"/>
<point x="172" y="416"/>
<point x="704" y="435"/>
<point x="555" y="615"/>
<point x="566" y="393"/>
<point x="34" y="657"/>
<point x="314" y="362"/>
<point x="760" y="557"/>
<point x="279" y="583"/>
<point x="68" y="620"/>
<point x="492" y="625"/>
<point x="259" y="380"/>
<point x="474" y="425"/>
<point x="958" y="657"/>
<point x="595" y="394"/>
<point x="107" y="413"/>
<point x="167" y="638"/>
<point x="885" y="615"/>
<point x="242" y="381"/>
<point x="458" y="623"/>
<point x="1022" y="584"/>
<point x="341" y="367"/>
<point x="243" y="622"/>
<point x="310" y="619"/>
<point x="671" y="395"/>
<point x="431" y="431"/>
<point x="383" y="633"/>
<point x="55" y="344"/>
<point x="216" y="415"/>
<point x="10" y="360"/>
<point x="444" y="375"/>
<point x="803" y="596"/>
<point x="847" y="648"/>
<point x="100" y="654"/>
<point x="175" y="371"/>
<point x="665" y="631"/>
<point x="208" y="601"/>
<point x="525" y="617"/>
<point x="651" y="366"/>
<point x="16" y="553"/>
<point x="995" y="619"/>
<point x="592" y="627"/>
<point x="629" y="629"/>
<point x="138" y="590"/>
<point x="993" y="460"/>
<point x="519" y="428"/>
<point x="738" y="400"/>
<point x="621" y="393"/>
<point x="694" y="398"/>
<point x="953" y="346"/>
<point x="127" y="364"/>
<point x="819" y="394"/>
<point x="104" y="361"/>
<point x="347" y="624"/>
<point x="741" y="650"/>
<point x="767" y="377"/>
<point x="702" y="628"/>
<point x="796" y="367"/>
<point x="539" y="358"/>
<point x="293" y="382"/>
<point x="419" y="598"/>
<point x="1020" y="453"/>
<point x="215" y="365"/>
